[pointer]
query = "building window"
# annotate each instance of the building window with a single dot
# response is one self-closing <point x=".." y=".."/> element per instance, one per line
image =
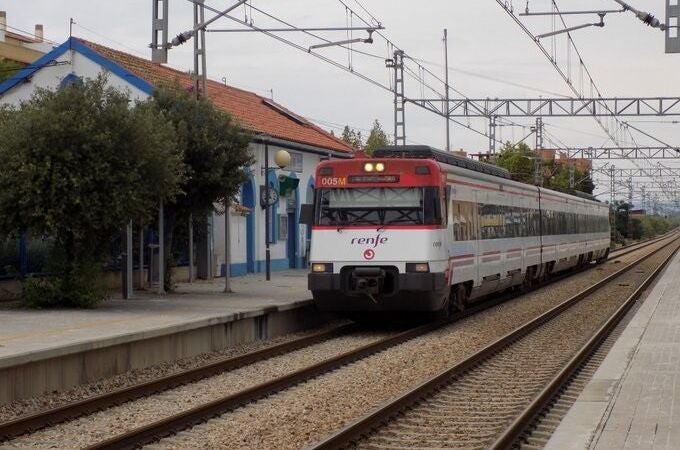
<point x="295" y="162"/>
<point x="283" y="227"/>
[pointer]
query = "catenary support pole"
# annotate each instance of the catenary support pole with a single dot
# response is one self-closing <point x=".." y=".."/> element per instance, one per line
<point x="128" y="260"/>
<point x="161" y="249"/>
<point x="446" y="74"/>
<point x="267" y="218"/>
<point x="141" y="258"/>
<point x="191" y="247"/>
<point x="227" y="248"/>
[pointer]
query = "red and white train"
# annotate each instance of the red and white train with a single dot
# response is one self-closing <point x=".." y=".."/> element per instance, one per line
<point x="417" y="229"/>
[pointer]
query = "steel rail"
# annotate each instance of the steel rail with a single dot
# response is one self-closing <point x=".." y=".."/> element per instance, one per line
<point x="42" y="419"/>
<point x="626" y="249"/>
<point x="385" y="412"/>
<point x="542" y="400"/>
<point x="33" y="422"/>
<point x="161" y="428"/>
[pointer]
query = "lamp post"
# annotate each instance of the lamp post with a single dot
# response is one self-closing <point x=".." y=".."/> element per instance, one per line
<point x="268" y="197"/>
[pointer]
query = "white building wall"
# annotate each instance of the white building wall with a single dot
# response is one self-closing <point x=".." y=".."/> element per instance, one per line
<point x="50" y="77"/>
<point x="238" y="224"/>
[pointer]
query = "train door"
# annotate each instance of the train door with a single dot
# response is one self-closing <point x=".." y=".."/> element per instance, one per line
<point x="479" y="199"/>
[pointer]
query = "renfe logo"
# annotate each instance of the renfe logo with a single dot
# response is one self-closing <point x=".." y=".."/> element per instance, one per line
<point x="373" y="241"/>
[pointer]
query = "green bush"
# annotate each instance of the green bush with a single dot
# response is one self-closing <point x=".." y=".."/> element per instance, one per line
<point x="9" y="256"/>
<point x="75" y="289"/>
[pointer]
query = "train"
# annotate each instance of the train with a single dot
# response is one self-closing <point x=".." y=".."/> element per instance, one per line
<point x="415" y="229"/>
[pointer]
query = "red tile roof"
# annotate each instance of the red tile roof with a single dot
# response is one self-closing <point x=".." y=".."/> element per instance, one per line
<point x="19" y="37"/>
<point x="255" y="113"/>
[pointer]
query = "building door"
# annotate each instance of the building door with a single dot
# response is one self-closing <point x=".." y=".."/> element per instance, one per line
<point x="292" y="240"/>
<point x="248" y="199"/>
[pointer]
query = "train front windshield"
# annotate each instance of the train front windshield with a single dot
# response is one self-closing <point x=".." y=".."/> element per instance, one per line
<point x="379" y="206"/>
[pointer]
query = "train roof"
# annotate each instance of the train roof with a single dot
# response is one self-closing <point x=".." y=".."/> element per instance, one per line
<point x="426" y="152"/>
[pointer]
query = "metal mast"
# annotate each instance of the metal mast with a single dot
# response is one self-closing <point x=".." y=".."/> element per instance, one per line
<point x="538" y="161"/>
<point x="492" y="134"/>
<point x="399" y="98"/>
<point x="446" y="68"/>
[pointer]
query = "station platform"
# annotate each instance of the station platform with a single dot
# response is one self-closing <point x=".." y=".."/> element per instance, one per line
<point x="42" y="350"/>
<point x="633" y="400"/>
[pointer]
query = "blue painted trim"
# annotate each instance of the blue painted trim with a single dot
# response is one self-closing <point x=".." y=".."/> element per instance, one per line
<point x="74" y="44"/>
<point x="300" y="262"/>
<point x="293" y="226"/>
<point x="69" y="79"/>
<point x="248" y="200"/>
<point x="275" y="265"/>
<point x="241" y="269"/>
<point x="33" y="67"/>
<point x="112" y="67"/>
<point x="23" y="255"/>
<point x="273" y="181"/>
<point x="309" y="199"/>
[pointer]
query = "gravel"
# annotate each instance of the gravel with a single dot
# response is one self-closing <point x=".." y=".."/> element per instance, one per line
<point x="472" y="411"/>
<point x="12" y="410"/>
<point x="306" y="413"/>
<point x="310" y="410"/>
<point x="90" y="429"/>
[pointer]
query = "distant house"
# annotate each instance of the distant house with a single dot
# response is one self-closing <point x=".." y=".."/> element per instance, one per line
<point x="18" y="47"/>
<point x="308" y="144"/>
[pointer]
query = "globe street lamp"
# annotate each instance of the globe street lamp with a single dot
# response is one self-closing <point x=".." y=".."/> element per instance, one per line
<point x="269" y="196"/>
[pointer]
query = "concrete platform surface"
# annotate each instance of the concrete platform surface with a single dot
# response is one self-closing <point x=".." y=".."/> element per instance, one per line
<point x="633" y="400"/>
<point x="29" y="335"/>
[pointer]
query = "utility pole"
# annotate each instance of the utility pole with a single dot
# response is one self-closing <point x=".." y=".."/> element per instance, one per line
<point x="199" y="50"/>
<point x="492" y="134"/>
<point x="159" y="31"/>
<point x="644" y="203"/>
<point x="446" y="68"/>
<point x="572" y="181"/>
<point x="612" y="184"/>
<point x="538" y="161"/>
<point x="399" y="99"/>
<point x="630" y="206"/>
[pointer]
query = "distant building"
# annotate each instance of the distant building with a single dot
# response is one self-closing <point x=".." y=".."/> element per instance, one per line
<point x="308" y="144"/>
<point x="19" y="47"/>
<point x="638" y="212"/>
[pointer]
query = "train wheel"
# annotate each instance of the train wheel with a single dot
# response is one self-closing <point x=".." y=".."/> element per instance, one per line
<point x="603" y="259"/>
<point x="528" y="281"/>
<point x="458" y="299"/>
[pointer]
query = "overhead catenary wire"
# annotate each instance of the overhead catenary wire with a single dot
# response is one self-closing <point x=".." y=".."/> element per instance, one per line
<point x="329" y="60"/>
<point x="553" y="60"/>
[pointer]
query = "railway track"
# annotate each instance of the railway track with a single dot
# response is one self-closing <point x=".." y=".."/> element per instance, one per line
<point x="172" y="424"/>
<point x="490" y="398"/>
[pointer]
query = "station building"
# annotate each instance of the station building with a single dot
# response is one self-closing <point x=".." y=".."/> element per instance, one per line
<point x="281" y="128"/>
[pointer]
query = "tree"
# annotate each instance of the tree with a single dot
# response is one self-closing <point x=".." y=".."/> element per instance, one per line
<point x="376" y="139"/>
<point x="76" y="165"/>
<point x="518" y="160"/>
<point x="8" y="68"/>
<point x="352" y="137"/>
<point x="215" y="152"/>
<point x="559" y="180"/>
<point x="621" y="210"/>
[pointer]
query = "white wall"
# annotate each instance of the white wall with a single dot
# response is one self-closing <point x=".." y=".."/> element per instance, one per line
<point x="50" y="76"/>
<point x="76" y="63"/>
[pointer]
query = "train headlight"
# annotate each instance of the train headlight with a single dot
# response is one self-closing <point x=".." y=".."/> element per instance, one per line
<point x="379" y="167"/>
<point x="418" y="267"/>
<point x="322" y="268"/>
<point x="368" y="167"/>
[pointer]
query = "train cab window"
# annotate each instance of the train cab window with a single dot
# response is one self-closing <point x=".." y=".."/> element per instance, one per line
<point x="378" y="206"/>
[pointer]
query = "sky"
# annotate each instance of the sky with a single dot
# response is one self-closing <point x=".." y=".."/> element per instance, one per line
<point x="489" y="57"/>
